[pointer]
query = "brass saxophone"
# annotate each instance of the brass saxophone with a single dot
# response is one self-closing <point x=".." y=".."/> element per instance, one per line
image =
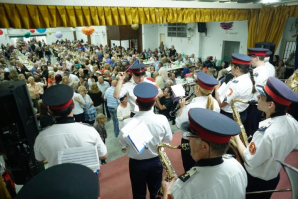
<point x="237" y="119"/>
<point x="170" y="171"/>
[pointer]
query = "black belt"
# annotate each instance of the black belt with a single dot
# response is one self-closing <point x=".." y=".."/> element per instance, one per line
<point x="150" y="159"/>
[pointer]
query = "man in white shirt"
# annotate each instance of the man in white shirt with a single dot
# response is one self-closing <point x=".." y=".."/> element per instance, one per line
<point x="145" y="168"/>
<point x="213" y="176"/>
<point x="71" y="77"/>
<point x="65" y="133"/>
<point x="162" y="71"/>
<point x="103" y="86"/>
<point x="138" y="72"/>
<point x="269" y="66"/>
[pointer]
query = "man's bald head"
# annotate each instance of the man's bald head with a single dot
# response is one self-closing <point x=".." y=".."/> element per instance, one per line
<point x="114" y="83"/>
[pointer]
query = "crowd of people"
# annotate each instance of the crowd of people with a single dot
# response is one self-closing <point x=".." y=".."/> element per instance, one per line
<point x="72" y="81"/>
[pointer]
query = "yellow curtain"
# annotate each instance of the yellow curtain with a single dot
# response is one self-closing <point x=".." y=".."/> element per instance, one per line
<point x="252" y="28"/>
<point x="272" y="22"/>
<point x="33" y="16"/>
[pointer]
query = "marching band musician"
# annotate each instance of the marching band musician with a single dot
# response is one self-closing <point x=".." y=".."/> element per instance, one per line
<point x="241" y="87"/>
<point x="146" y="168"/>
<point x="138" y="73"/>
<point x="213" y="177"/>
<point x="203" y="89"/>
<point x="270" y="142"/>
<point x="261" y="74"/>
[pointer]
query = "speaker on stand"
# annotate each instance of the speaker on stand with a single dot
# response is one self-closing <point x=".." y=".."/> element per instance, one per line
<point x="18" y="130"/>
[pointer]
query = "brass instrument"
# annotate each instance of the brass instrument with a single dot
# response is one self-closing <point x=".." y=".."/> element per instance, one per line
<point x="170" y="172"/>
<point x="173" y="112"/>
<point x="243" y="135"/>
<point x="292" y="82"/>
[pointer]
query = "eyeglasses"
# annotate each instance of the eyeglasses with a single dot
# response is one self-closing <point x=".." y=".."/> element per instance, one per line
<point x="191" y="135"/>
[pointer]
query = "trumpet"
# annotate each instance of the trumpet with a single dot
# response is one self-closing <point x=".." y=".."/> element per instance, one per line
<point x="173" y="112"/>
<point x="243" y="135"/>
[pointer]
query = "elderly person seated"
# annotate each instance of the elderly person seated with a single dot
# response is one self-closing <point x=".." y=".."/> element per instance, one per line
<point x="35" y="90"/>
<point x="171" y="79"/>
<point x="158" y="80"/>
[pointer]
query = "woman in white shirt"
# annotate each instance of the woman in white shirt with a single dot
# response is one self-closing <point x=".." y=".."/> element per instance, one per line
<point x="123" y="111"/>
<point x="242" y="87"/>
<point x="203" y="90"/>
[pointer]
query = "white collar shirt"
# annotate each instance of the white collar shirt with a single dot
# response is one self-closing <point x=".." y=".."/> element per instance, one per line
<point x="163" y="73"/>
<point x="239" y="88"/>
<point x="73" y="77"/>
<point x="62" y="136"/>
<point x="275" y="139"/>
<point x="103" y="87"/>
<point x="260" y="76"/>
<point x="227" y="180"/>
<point x="79" y="108"/>
<point x="270" y="69"/>
<point x="127" y="89"/>
<point x="160" y="129"/>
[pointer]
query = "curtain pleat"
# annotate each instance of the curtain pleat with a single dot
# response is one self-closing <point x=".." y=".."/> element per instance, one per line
<point x="33" y="16"/>
<point x="265" y="24"/>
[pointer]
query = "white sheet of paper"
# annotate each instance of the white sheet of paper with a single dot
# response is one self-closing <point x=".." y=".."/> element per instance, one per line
<point x="140" y="136"/>
<point x="137" y="134"/>
<point x="223" y="91"/>
<point x="129" y="126"/>
<point x="87" y="156"/>
<point x="178" y="90"/>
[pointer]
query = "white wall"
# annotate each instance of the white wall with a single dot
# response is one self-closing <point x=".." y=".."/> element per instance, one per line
<point x="150" y="36"/>
<point x="98" y="37"/>
<point x="213" y="42"/>
<point x="198" y="43"/>
<point x="67" y="34"/>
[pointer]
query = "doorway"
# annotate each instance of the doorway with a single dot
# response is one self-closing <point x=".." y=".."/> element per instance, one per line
<point x="228" y="48"/>
<point x="162" y="38"/>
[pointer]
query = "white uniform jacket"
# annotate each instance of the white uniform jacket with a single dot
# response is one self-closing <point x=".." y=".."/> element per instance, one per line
<point x="127" y="89"/>
<point x="66" y="135"/>
<point x="275" y="139"/>
<point x="159" y="128"/>
<point x="260" y="76"/>
<point x="239" y="88"/>
<point x="227" y="180"/>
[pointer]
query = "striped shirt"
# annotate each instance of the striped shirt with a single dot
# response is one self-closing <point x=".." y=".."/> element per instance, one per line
<point x="112" y="102"/>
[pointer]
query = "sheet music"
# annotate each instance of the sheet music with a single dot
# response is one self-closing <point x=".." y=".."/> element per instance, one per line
<point x="178" y="90"/>
<point x="87" y="156"/>
<point x="137" y="134"/>
<point x="223" y="91"/>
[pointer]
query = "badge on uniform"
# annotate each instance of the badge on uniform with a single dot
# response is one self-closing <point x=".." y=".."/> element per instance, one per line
<point x="184" y="177"/>
<point x="263" y="128"/>
<point x="235" y="81"/>
<point x="231" y="92"/>
<point x="252" y="148"/>
<point x="256" y="75"/>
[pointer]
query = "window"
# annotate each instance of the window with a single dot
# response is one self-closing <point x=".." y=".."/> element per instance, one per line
<point x="177" y="30"/>
<point x="290" y="47"/>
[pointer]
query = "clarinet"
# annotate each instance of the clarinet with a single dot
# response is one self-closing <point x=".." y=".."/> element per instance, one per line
<point x="172" y="113"/>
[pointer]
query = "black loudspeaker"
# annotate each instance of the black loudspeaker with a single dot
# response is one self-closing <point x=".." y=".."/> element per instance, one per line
<point x="202" y="27"/>
<point x="268" y="45"/>
<point x="18" y="130"/>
